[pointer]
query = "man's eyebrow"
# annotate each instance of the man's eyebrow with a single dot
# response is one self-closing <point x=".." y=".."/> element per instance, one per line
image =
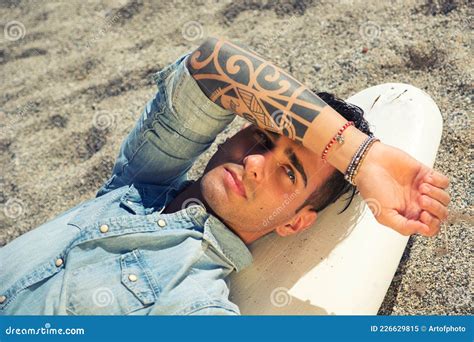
<point x="290" y="153"/>
<point x="294" y="160"/>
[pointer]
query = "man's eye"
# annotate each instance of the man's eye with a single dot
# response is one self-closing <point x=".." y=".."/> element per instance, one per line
<point x="291" y="174"/>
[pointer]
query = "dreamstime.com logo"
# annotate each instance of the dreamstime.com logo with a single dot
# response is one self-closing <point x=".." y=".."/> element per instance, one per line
<point x="103" y="297"/>
<point x="192" y="30"/>
<point x="374" y="206"/>
<point x="280" y="297"/>
<point x="13" y="208"/>
<point x="193" y="205"/>
<point x="288" y="199"/>
<point x="46" y="330"/>
<point x="284" y="29"/>
<point x="103" y="120"/>
<point x="282" y="119"/>
<point x="14" y="30"/>
<point x="369" y="31"/>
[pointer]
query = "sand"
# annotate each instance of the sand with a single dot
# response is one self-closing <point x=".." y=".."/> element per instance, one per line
<point x="76" y="75"/>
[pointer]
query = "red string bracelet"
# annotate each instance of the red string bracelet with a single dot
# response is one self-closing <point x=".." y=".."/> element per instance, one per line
<point x="338" y="137"/>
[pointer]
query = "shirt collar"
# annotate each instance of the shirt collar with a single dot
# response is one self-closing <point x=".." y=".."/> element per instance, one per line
<point x="226" y="242"/>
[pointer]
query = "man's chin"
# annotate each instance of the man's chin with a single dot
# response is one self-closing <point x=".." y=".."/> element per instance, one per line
<point x="214" y="192"/>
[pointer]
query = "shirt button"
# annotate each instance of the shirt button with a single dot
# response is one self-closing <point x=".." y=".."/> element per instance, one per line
<point x="59" y="262"/>
<point x="104" y="228"/>
<point x="3" y="299"/>
<point x="132" y="277"/>
<point x="161" y="222"/>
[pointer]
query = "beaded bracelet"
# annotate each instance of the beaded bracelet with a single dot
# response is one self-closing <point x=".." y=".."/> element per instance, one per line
<point x="362" y="159"/>
<point x="338" y="137"/>
<point x="357" y="159"/>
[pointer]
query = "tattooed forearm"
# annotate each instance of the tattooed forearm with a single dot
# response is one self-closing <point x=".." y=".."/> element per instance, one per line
<point x="252" y="87"/>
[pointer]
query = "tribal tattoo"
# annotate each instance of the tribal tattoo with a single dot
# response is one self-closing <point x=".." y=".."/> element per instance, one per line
<point x="252" y="87"/>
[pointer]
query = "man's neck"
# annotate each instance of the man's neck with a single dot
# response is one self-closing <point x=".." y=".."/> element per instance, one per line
<point x="193" y="192"/>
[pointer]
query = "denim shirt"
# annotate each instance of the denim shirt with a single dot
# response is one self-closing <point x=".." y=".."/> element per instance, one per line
<point x="118" y="254"/>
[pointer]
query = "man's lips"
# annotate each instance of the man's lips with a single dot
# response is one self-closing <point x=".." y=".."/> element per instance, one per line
<point x="234" y="182"/>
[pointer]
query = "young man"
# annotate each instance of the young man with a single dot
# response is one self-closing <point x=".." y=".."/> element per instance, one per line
<point x="140" y="248"/>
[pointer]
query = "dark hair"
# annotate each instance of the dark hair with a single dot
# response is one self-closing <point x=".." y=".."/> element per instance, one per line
<point x="336" y="186"/>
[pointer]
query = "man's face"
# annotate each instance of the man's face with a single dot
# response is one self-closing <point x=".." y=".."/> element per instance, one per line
<point x="257" y="180"/>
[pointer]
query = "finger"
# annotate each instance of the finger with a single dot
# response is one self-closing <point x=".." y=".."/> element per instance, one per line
<point x="438" y="194"/>
<point x="433" y="207"/>
<point x="437" y="179"/>
<point x="432" y="222"/>
<point x="401" y="224"/>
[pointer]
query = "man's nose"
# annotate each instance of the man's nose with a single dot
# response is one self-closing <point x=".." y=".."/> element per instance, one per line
<point x="254" y="166"/>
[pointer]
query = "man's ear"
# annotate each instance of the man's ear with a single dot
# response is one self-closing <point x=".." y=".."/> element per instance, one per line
<point x="303" y="220"/>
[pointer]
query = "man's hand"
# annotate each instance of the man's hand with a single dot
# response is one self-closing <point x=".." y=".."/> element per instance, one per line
<point x="403" y="193"/>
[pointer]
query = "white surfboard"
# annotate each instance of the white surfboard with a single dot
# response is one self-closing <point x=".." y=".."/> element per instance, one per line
<point x="345" y="263"/>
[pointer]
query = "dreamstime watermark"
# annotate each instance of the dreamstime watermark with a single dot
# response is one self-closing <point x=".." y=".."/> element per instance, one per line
<point x="369" y="30"/>
<point x="374" y="206"/>
<point x="372" y="32"/>
<point x="13" y="208"/>
<point x="14" y="30"/>
<point x="282" y="31"/>
<point x="46" y="330"/>
<point x="286" y="202"/>
<point x="102" y="297"/>
<point x="467" y="22"/>
<point x="103" y="30"/>
<point x="192" y="122"/>
<point x="280" y="297"/>
<point x="193" y="205"/>
<point x="282" y="120"/>
<point x="192" y="30"/>
<point x="16" y="117"/>
<point x="103" y="120"/>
